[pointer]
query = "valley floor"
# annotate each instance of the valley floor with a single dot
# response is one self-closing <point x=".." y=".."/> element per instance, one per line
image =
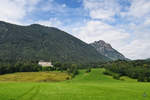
<point x="85" y="86"/>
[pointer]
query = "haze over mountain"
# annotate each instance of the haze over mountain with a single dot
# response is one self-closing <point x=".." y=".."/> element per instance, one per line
<point x="107" y="50"/>
<point x="148" y="59"/>
<point x="37" y="42"/>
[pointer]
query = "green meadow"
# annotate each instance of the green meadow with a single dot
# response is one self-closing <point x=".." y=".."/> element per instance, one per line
<point x="85" y="86"/>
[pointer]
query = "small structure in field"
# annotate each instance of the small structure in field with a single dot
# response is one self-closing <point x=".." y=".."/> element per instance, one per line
<point x="45" y="64"/>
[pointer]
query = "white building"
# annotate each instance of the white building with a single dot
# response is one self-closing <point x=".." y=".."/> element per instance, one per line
<point x="45" y="64"/>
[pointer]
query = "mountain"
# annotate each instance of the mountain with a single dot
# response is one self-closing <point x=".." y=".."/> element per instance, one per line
<point x="106" y="49"/>
<point x="148" y="59"/>
<point x="37" y="42"/>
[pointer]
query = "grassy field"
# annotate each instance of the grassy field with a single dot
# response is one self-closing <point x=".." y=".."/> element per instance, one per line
<point x="85" y="86"/>
<point x="35" y="77"/>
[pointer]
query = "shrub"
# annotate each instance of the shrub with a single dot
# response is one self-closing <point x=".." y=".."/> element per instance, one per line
<point x="107" y="72"/>
<point x="67" y="78"/>
<point x="116" y="76"/>
<point x="73" y="70"/>
<point x="88" y="70"/>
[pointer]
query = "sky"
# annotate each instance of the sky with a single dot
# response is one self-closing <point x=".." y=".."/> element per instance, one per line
<point x="125" y="24"/>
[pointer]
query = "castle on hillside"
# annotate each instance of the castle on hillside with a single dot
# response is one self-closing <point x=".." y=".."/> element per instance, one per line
<point x="45" y="64"/>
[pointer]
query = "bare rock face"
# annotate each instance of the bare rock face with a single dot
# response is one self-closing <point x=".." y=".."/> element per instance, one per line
<point x="106" y="49"/>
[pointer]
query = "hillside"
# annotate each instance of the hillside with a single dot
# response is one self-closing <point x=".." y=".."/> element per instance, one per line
<point x="37" y="42"/>
<point x="85" y="86"/>
<point x="107" y="50"/>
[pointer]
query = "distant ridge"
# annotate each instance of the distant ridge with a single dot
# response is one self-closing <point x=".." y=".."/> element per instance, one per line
<point x="148" y="59"/>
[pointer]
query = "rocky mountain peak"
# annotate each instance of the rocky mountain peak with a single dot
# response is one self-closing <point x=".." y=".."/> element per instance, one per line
<point x="106" y="49"/>
<point x="103" y="44"/>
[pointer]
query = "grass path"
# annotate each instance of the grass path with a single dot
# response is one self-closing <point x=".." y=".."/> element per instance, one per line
<point x="91" y="86"/>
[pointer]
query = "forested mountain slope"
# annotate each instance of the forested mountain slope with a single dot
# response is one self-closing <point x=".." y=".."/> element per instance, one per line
<point x="37" y="42"/>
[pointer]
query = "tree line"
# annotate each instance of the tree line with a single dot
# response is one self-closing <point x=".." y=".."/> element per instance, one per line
<point x="138" y="69"/>
<point x="33" y="66"/>
<point x="19" y="67"/>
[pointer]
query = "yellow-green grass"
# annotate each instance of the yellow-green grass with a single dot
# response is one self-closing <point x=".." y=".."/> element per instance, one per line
<point x="34" y="77"/>
<point x="85" y="86"/>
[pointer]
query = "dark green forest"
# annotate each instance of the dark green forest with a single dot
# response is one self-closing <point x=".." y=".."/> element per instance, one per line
<point x="138" y="69"/>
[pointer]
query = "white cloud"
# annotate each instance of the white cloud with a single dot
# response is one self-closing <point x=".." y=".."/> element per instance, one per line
<point x="137" y="49"/>
<point x="97" y="30"/>
<point x="54" y="7"/>
<point x="15" y="10"/>
<point x="102" y="9"/>
<point x="147" y="21"/>
<point x="139" y="8"/>
<point x="51" y="22"/>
